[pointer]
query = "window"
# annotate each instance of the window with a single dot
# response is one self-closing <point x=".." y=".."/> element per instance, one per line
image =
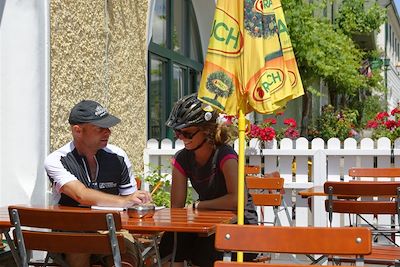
<point x="392" y="44"/>
<point x="176" y="61"/>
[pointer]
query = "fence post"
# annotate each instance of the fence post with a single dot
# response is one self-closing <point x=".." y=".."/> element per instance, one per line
<point x="152" y="144"/>
<point x="319" y="178"/>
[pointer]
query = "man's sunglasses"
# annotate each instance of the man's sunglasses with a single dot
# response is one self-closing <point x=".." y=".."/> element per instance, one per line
<point x="185" y="134"/>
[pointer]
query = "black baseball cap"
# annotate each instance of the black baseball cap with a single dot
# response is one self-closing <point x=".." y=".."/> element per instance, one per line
<point x="89" y="111"/>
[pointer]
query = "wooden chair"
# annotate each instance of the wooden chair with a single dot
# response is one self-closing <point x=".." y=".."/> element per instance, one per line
<point x="61" y="231"/>
<point x="253" y="170"/>
<point x="267" y="191"/>
<point x="368" y="197"/>
<point x="297" y="240"/>
<point x="376" y="174"/>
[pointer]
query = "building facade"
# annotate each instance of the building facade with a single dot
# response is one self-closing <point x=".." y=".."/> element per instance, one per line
<point x="55" y="53"/>
<point x="136" y="57"/>
<point x="388" y="42"/>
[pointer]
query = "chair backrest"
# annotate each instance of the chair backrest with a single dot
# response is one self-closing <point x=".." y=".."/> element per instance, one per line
<point x="67" y="231"/>
<point x="374" y="172"/>
<point x="295" y="240"/>
<point x="252" y="170"/>
<point x="265" y="191"/>
<point x="349" y="197"/>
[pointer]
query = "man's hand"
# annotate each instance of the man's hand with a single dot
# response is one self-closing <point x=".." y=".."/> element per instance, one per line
<point x="87" y="196"/>
<point x="138" y="197"/>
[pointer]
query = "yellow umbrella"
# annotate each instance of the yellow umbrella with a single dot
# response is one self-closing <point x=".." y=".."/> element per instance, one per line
<point x="250" y="65"/>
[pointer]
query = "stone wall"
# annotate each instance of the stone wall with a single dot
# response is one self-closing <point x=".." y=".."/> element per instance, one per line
<point x="98" y="52"/>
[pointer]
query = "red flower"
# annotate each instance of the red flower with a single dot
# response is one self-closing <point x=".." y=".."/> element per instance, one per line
<point x="267" y="134"/>
<point x="395" y="111"/>
<point x="372" y="124"/>
<point x="229" y="119"/>
<point x="291" y="133"/>
<point x="270" y="121"/>
<point x="254" y="131"/>
<point x="385" y="125"/>
<point x="381" y="115"/>
<point x="291" y="122"/>
<point x="390" y="124"/>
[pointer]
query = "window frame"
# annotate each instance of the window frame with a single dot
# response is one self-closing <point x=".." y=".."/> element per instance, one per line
<point x="171" y="58"/>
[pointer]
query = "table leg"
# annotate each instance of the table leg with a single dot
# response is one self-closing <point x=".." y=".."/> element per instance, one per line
<point x="174" y="249"/>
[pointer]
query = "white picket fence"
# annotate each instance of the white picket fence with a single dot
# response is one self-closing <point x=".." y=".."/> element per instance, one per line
<point x="329" y="161"/>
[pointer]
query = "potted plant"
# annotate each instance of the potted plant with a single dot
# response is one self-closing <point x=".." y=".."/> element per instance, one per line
<point x="267" y="130"/>
<point x="386" y="124"/>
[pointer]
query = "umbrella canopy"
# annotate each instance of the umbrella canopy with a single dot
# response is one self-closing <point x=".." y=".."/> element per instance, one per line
<point x="250" y="66"/>
<point x="250" y="60"/>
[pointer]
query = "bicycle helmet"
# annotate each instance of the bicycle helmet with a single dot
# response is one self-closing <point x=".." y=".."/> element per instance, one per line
<point x="189" y="111"/>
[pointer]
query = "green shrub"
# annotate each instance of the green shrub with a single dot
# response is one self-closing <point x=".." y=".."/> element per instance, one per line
<point x="331" y="123"/>
<point x="161" y="196"/>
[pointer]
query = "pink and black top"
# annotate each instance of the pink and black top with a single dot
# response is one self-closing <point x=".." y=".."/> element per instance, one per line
<point x="209" y="182"/>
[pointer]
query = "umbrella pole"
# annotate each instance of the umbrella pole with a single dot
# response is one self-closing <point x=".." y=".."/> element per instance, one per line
<point x="241" y="160"/>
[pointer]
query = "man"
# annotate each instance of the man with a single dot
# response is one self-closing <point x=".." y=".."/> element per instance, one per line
<point x="88" y="171"/>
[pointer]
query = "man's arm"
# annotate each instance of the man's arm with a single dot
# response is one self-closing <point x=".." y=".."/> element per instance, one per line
<point x="89" y="197"/>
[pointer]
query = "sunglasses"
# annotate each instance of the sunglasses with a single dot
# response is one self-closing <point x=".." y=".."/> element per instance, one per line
<point x="187" y="135"/>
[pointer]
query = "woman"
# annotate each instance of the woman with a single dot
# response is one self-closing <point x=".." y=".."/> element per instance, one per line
<point x="211" y="166"/>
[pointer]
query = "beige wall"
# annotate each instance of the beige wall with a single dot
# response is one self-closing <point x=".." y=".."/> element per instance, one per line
<point x="80" y="50"/>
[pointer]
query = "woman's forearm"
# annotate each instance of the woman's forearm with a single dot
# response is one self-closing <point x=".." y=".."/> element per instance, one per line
<point x="226" y="202"/>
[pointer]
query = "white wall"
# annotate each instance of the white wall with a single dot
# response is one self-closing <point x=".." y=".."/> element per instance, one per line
<point x="24" y="87"/>
<point x="204" y="10"/>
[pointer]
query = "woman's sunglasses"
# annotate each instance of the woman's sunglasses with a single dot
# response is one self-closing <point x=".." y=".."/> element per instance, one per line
<point x="187" y="135"/>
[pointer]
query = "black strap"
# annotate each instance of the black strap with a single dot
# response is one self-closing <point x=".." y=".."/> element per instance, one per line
<point x="214" y="166"/>
<point x="214" y="160"/>
<point x="200" y="145"/>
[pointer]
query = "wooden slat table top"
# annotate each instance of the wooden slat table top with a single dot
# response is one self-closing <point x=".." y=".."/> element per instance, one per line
<point x="312" y="192"/>
<point x="188" y="220"/>
<point x="318" y="191"/>
<point x="179" y="220"/>
<point x="355" y="173"/>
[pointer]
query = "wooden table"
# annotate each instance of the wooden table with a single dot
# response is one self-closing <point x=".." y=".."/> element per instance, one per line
<point x="175" y="220"/>
<point x="312" y="192"/>
<point x="317" y="191"/>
